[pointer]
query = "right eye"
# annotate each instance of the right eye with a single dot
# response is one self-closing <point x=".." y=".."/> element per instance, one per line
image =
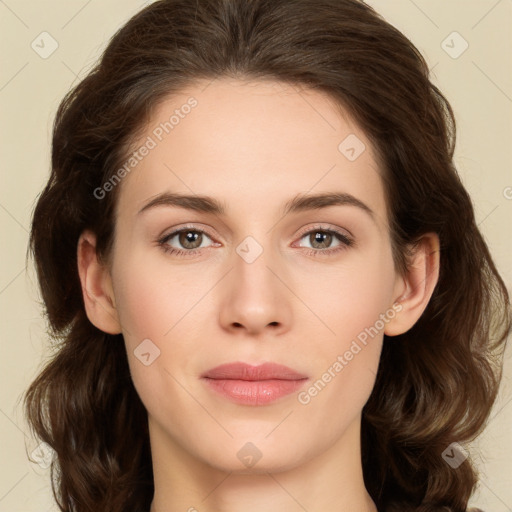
<point x="189" y="240"/>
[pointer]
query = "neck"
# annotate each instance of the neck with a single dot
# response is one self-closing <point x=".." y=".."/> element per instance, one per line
<point x="332" y="480"/>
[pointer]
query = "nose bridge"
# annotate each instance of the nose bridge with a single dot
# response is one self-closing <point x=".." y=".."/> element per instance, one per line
<point x="251" y="269"/>
<point x="256" y="298"/>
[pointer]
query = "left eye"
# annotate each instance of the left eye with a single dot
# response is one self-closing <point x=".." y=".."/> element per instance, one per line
<point x="323" y="238"/>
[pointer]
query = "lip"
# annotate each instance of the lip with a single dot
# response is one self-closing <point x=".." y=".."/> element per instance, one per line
<point x="253" y="385"/>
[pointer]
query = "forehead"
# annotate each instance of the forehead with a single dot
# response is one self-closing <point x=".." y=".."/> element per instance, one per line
<point x="255" y="142"/>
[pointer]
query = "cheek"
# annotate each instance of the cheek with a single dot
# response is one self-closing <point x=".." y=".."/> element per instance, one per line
<point x="160" y="302"/>
<point x="350" y="297"/>
<point x="153" y="295"/>
<point x="152" y="307"/>
<point x="346" y="363"/>
<point x="354" y="308"/>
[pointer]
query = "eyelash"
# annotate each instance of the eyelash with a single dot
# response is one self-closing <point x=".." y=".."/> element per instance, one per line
<point x="343" y="238"/>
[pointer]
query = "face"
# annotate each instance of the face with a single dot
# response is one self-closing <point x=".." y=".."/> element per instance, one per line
<point x="259" y="272"/>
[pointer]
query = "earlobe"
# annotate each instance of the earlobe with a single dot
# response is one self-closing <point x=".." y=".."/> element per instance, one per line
<point x="417" y="285"/>
<point x="96" y="285"/>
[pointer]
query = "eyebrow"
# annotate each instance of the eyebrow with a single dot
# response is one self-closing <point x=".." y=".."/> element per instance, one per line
<point x="301" y="202"/>
<point x="304" y="202"/>
<point x="203" y="204"/>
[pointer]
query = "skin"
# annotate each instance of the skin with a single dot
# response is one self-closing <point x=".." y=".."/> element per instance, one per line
<point x="253" y="146"/>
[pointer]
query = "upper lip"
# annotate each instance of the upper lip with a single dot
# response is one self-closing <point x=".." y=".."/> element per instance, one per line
<point x="244" y="371"/>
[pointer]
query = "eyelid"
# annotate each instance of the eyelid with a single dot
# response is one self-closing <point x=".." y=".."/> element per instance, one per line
<point x="326" y="227"/>
<point x="168" y="233"/>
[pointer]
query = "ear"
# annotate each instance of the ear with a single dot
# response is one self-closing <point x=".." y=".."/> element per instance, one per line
<point x="414" y="290"/>
<point x="96" y="284"/>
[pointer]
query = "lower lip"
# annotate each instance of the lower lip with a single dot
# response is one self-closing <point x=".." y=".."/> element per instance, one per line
<point x="254" y="392"/>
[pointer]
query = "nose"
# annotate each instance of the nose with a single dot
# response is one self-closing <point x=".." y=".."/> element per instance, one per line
<point x="254" y="298"/>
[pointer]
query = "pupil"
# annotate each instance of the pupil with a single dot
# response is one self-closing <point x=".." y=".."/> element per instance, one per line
<point x="322" y="238"/>
<point x="188" y="238"/>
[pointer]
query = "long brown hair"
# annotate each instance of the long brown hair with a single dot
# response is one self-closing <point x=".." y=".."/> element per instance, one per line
<point x="436" y="383"/>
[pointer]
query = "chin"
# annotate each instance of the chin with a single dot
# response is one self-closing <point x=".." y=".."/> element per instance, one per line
<point x="245" y="457"/>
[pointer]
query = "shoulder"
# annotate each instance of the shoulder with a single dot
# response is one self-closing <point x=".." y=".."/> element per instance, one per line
<point x="475" y="510"/>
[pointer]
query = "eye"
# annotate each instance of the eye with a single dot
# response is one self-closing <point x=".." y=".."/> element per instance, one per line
<point x="321" y="240"/>
<point x="184" y="241"/>
<point x="188" y="241"/>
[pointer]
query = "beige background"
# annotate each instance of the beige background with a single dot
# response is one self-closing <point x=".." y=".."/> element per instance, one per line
<point x="478" y="84"/>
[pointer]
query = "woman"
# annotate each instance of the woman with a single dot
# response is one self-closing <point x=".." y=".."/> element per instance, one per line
<point x="264" y="271"/>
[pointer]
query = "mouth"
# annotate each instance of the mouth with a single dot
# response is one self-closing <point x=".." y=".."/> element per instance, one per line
<point x="253" y="385"/>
